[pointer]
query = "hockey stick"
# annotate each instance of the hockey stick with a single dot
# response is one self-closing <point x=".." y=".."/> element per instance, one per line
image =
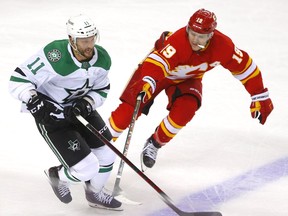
<point x="163" y="195"/>
<point x="117" y="191"/>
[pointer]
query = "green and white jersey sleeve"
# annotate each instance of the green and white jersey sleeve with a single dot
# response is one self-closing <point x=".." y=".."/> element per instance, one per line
<point x="55" y="72"/>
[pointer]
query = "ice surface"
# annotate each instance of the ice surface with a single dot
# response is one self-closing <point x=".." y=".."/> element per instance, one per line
<point x="223" y="160"/>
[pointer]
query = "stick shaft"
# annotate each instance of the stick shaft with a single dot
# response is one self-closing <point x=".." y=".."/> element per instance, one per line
<point x="126" y="146"/>
<point x="164" y="197"/>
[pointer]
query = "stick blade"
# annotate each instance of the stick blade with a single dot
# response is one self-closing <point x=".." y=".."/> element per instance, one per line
<point x="119" y="195"/>
<point x="125" y="200"/>
<point x="200" y="214"/>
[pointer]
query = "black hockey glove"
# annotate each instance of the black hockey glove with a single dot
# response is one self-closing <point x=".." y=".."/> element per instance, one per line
<point x="79" y="106"/>
<point x="41" y="109"/>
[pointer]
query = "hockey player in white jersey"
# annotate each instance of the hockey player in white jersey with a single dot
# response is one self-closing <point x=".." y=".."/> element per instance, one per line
<point x="68" y="75"/>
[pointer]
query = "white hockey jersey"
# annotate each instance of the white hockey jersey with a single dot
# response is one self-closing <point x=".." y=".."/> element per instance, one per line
<point x="55" y="72"/>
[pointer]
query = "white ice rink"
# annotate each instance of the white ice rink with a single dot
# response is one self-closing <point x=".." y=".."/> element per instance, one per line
<point x="223" y="160"/>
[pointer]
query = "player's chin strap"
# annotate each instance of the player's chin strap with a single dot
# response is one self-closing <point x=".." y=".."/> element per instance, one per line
<point x="163" y="195"/>
<point x="74" y="47"/>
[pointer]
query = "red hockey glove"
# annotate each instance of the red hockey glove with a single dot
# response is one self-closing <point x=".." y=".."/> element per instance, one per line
<point x="159" y="44"/>
<point x="148" y="88"/>
<point x="261" y="106"/>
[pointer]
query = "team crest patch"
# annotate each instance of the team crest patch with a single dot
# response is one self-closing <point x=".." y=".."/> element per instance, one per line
<point x="54" y="55"/>
<point x="74" y="145"/>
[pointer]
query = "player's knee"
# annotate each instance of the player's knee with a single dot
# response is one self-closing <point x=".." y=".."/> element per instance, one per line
<point x="104" y="155"/>
<point x="191" y="102"/>
<point x="86" y="169"/>
<point x="184" y="108"/>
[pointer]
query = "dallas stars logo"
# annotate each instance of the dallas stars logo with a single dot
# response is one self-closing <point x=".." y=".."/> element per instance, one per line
<point x="74" y="145"/>
<point x="54" y="55"/>
<point x="75" y="93"/>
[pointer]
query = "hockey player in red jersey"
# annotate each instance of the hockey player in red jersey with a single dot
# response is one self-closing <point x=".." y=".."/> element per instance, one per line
<point x="177" y="65"/>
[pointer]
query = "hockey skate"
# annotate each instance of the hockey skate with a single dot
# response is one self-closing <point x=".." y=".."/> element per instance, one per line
<point x="149" y="152"/>
<point x="101" y="199"/>
<point x="60" y="188"/>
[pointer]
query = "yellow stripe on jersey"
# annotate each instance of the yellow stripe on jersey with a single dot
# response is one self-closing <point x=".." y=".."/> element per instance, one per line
<point x="251" y="70"/>
<point x="165" y="130"/>
<point x="249" y="62"/>
<point x="115" y="131"/>
<point x="114" y="127"/>
<point x="173" y="123"/>
<point x="255" y="73"/>
<point x="169" y="127"/>
<point x="158" y="61"/>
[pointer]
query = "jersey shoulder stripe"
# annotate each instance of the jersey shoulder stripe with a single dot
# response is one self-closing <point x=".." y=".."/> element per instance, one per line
<point x="59" y="57"/>
<point x="104" y="60"/>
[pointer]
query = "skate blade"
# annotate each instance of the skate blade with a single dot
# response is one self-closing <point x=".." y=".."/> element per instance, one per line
<point x="143" y="167"/>
<point x="93" y="205"/>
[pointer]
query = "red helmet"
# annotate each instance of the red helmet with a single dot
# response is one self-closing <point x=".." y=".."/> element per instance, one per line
<point x="203" y="21"/>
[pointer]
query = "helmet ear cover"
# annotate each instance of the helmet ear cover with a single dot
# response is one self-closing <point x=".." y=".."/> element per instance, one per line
<point x="203" y="22"/>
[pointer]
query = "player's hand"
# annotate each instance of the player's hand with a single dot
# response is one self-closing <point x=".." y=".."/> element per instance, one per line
<point x="148" y="88"/>
<point x="159" y="44"/>
<point x="261" y="106"/>
<point x="41" y="109"/>
<point x="79" y="106"/>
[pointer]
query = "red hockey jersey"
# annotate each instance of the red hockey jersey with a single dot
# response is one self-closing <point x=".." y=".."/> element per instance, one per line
<point x="178" y="62"/>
